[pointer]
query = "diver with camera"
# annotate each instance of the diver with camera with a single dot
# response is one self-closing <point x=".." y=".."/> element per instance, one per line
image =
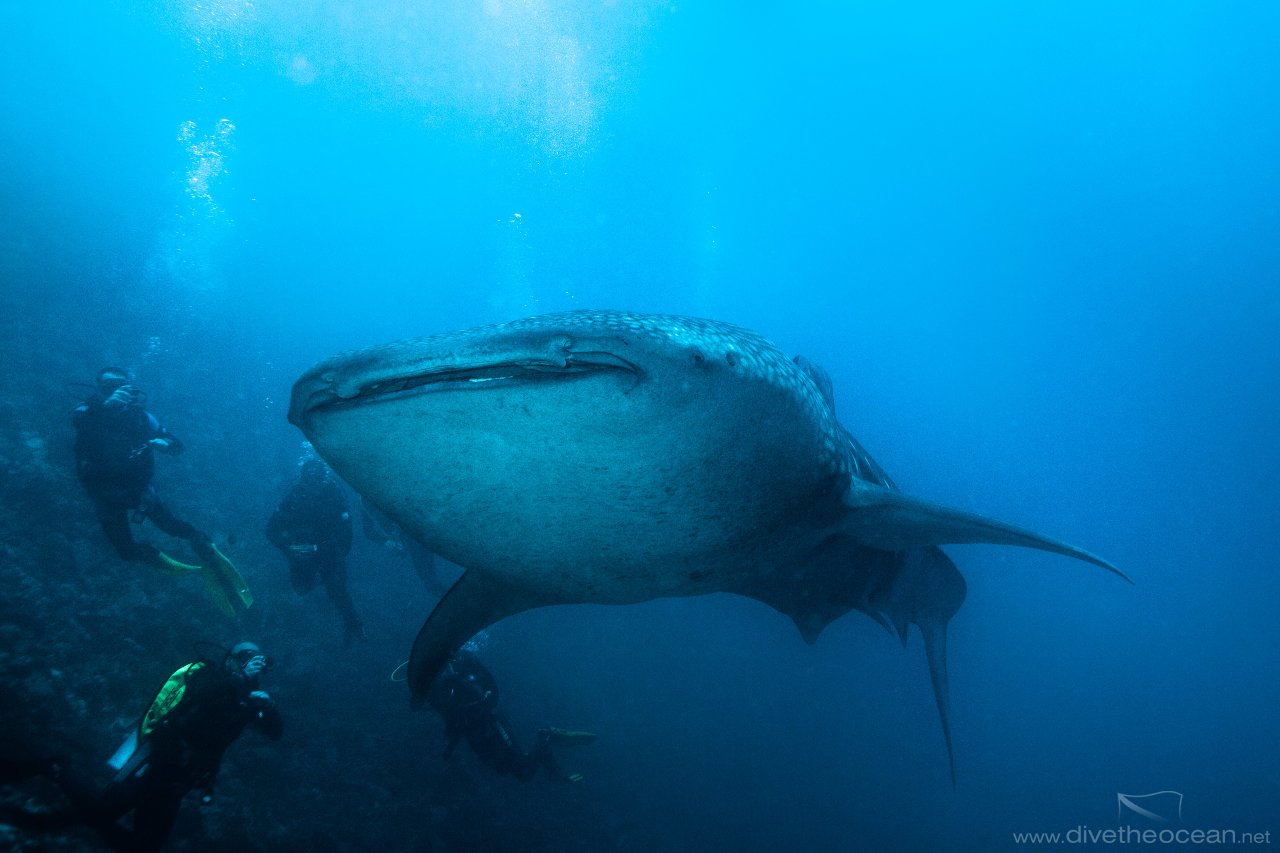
<point x="177" y="747"/>
<point x="116" y="440"/>
<point x="115" y="447"/>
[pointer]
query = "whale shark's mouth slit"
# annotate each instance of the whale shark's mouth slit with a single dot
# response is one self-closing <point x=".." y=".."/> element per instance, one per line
<point x="575" y="365"/>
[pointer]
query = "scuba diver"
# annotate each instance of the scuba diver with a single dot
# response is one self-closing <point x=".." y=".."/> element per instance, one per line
<point x="312" y="528"/>
<point x="177" y="747"/>
<point x="466" y="695"/>
<point x="378" y="528"/>
<point x="115" y="447"/>
<point x="116" y="440"/>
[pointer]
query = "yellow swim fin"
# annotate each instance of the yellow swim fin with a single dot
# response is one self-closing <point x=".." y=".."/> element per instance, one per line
<point x="567" y="737"/>
<point x="219" y="595"/>
<point x="170" y="566"/>
<point x="219" y="576"/>
<point x="232" y="577"/>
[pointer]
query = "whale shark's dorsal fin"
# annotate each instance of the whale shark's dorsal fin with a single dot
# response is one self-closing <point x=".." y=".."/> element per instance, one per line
<point x="859" y="461"/>
<point x="820" y="377"/>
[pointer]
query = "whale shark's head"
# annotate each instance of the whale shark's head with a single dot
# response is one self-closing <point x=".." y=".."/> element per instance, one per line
<point x="680" y="353"/>
<point x="578" y="425"/>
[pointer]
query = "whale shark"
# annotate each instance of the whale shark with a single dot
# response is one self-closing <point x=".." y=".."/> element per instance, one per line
<point x="612" y="457"/>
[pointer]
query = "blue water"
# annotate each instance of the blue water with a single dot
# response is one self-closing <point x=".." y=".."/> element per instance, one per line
<point x="1035" y="245"/>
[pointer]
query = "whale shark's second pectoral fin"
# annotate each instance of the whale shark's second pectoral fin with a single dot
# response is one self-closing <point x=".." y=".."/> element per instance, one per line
<point x="881" y="518"/>
<point x="473" y="603"/>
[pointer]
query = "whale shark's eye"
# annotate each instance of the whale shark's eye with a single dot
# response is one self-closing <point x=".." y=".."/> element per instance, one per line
<point x="731" y="357"/>
<point x="697" y="357"/>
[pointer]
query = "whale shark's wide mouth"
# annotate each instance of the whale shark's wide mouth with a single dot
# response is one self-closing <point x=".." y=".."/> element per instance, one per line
<point x="321" y="389"/>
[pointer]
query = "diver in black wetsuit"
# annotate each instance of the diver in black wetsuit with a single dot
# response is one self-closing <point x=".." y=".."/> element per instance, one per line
<point x="466" y="696"/>
<point x="116" y="440"/>
<point x="198" y="713"/>
<point x="312" y="528"/>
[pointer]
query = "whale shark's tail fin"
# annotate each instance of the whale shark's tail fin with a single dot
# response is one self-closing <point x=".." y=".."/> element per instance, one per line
<point x="889" y="520"/>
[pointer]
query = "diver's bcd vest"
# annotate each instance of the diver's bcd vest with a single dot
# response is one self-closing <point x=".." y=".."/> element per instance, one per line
<point x="168" y="698"/>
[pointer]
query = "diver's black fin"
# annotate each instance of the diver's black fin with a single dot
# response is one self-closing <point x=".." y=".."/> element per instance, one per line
<point x="472" y="604"/>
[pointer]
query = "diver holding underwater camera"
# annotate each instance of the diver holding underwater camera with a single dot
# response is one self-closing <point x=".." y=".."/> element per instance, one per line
<point x="115" y="447"/>
<point x="177" y="747"/>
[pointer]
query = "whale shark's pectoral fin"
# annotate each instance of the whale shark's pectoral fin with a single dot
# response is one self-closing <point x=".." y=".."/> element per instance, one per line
<point x="886" y="519"/>
<point x="473" y="603"/>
